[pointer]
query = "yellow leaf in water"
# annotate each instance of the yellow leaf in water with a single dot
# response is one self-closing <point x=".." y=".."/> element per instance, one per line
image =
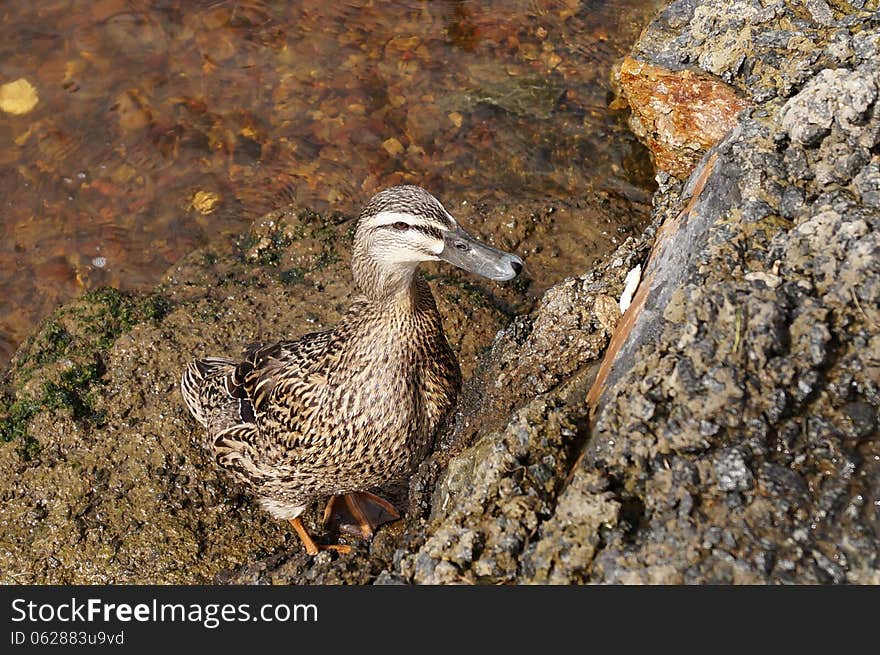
<point x="392" y="146"/>
<point x="205" y="202"/>
<point x="18" y="97"/>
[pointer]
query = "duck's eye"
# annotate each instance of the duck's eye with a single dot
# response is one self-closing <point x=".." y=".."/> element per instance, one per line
<point x="400" y="225"/>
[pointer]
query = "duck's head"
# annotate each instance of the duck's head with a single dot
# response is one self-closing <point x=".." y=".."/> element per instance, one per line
<point x="405" y="225"/>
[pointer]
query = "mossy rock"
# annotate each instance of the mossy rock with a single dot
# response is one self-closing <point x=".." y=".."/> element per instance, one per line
<point x="106" y="478"/>
<point x="57" y="368"/>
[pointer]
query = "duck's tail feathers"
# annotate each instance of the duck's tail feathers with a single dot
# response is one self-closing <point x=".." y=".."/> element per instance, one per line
<point x="193" y="380"/>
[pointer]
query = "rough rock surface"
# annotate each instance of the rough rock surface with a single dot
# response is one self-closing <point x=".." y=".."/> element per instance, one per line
<point x="736" y="439"/>
<point x="677" y="78"/>
<point x="747" y="441"/>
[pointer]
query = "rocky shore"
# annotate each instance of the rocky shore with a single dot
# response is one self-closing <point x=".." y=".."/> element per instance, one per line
<point x="723" y="430"/>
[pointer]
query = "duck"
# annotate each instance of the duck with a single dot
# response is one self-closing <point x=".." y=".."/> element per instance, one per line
<point x="338" y="412"/>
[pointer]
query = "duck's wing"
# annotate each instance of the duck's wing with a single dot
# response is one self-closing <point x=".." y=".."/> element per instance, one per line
<point x="267" y="366"/>
<point x="212" y="397"/>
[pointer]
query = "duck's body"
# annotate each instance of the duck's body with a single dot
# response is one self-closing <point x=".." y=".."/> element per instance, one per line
<point x="338" y="411"/>
<point x="357" y="406"/>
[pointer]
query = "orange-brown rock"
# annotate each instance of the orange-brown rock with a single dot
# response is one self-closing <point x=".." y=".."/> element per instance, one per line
<point x="679" y="115"/>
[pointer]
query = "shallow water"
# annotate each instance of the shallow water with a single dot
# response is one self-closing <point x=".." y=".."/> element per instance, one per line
<point x="157" y="126"/>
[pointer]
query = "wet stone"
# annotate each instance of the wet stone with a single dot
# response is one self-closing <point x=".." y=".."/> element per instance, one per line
<point x="732" y="471"/>
<point x="862" y="419"/>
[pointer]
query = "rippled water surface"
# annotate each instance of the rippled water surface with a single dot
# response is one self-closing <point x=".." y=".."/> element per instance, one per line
<point x="132" y="132"/>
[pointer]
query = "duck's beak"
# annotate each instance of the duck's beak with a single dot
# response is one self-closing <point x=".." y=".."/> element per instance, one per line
<point x="462" y="250"/>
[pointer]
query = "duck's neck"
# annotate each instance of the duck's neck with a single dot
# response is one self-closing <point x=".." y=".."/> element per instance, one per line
<point x="393" y="284"/>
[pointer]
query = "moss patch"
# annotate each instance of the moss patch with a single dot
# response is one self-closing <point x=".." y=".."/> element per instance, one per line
<point x="73" y="391"/>
<point x="16" y="414"/>
<point x="57" y="367"/>
<point x="108" y="312"/>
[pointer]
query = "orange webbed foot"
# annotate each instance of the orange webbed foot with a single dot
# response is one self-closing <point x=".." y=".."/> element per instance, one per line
<point x="360" y="513"/>
<point x="311" y="547"/>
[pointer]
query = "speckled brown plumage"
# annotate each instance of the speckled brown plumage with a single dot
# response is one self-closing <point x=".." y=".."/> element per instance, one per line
<point x="356" y="406"/>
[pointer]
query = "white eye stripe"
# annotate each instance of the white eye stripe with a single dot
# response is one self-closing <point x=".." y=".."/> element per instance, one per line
<point x="389" y="218"/>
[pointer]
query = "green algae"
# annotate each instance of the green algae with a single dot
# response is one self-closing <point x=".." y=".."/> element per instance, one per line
<point x="16" y="414"/>
<point x="73" y="392"/>
<point x="64" y="355"/>
<point x="108" y="312"/>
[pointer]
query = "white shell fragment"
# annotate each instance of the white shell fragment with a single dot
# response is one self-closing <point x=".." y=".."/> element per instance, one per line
<point x="630" y="284"/>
